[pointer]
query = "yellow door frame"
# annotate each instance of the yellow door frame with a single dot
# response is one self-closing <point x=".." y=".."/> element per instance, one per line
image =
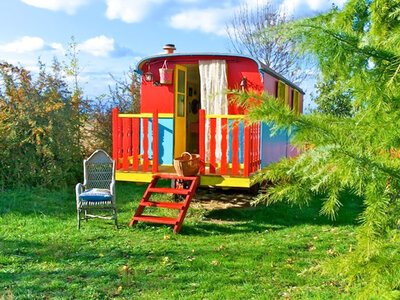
<point x="180" y="114"/>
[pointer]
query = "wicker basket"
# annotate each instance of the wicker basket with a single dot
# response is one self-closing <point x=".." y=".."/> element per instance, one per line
<point x="187" y="164"/>
<point x="166" y="74"/>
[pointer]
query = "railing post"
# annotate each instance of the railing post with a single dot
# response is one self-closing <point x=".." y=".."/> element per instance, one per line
<point x="155" y="142"/>
<point x="224" y="146"/>
<point x="126" y="142"/>
<point x="202" y="145"/>
<point x="115" y="136"/>
<point x="246" y="154"/>
<point x="135" y="143"/>
<point x="235" y="147"/>
<point x="213" y="133"/>
<point x="145" y="166"/>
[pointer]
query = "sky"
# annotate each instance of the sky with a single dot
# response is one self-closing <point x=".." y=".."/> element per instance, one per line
<point x="112" y="35"/>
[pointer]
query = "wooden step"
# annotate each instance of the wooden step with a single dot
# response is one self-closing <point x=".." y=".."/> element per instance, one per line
<point x="169" y="191"/>
<point x="172" y="205"/>
<point x="182" y="207"/>
<point x="153" y="219"/>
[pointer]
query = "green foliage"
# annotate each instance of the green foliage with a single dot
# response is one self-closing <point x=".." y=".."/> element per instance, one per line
<point x="38" y="144"/>
<point x="359" y="46"/>
<point x="332" y="99"/>
<point x="46" y="127"/>
<point x="124" y="95"/>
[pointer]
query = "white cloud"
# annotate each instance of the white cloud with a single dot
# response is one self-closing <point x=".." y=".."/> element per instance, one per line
<point x="57" y="47"/>
<point x="69" y="6"/>
<point x="24" y="44"/>
<point x="130" y="11"/>
<point x="98" y="46"/>
<point x="214" y="20"/>
<point x="291" y="7"/>
<point x="210" y="20"/>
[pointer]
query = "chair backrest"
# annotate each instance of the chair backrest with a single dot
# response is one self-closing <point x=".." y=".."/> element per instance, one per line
<point x="98" y="170"/>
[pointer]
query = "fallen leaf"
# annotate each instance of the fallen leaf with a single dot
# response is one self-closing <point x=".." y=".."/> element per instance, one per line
<point x="125" y="268"/>
<point x="214" y="262"/>
<point x="222" y="247"/>
<point x="332" y="252"/>
<point x="290" y="260"/>
<point x="165" y="260"/>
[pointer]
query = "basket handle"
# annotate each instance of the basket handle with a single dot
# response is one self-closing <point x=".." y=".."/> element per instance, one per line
<point x="187" y="153"/>
<point x="164" y="66"/>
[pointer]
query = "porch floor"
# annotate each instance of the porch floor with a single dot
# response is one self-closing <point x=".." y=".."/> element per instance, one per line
<point x="207" y="179"/>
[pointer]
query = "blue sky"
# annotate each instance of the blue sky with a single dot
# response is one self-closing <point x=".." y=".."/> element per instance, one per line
<point x="113" y="34"/>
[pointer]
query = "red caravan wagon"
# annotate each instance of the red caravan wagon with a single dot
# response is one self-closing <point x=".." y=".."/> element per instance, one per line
<point x="183" y="108"/>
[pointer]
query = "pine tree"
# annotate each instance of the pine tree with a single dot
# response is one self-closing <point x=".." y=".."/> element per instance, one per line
<point x="360" y="45"/>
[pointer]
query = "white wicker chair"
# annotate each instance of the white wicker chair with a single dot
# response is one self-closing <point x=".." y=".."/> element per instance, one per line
<point x="98" y="189"/>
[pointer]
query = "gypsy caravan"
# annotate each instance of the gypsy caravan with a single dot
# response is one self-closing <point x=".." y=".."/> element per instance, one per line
<point x="184" y="109"/>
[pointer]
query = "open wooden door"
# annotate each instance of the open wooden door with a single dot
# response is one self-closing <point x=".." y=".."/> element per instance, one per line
<point x="180" y="110"/>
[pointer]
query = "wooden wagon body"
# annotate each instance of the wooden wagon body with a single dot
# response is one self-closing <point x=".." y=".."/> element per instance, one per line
<point x="173" y="120"/>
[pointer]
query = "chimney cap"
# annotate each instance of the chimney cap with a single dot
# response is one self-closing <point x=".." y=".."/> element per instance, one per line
<point x="169" y="46"/>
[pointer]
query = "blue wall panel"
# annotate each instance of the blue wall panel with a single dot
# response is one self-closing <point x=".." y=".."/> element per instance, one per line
<point x="241" y="141"/>
<point x="273" y="148"/>
<point x="165" y="140"/>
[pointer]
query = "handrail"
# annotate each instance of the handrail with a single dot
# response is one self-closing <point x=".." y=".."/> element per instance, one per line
<point x="230" y="139"/>
<point x="126" y="140"/>
<point x="146" y="115"/>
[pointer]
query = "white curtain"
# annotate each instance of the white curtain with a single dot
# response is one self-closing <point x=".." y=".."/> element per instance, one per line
<point x="213" y="84"/>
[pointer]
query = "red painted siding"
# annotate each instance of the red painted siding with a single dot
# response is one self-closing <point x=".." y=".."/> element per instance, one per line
<point x="270" y="84"/>
<point x="237" y="70"/>
<point x="162" y="97"/>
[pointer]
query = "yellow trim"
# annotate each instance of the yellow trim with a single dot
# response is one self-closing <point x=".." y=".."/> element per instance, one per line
<point x="180" y="121"/>
<point x="243" y="182"/>
<point x="145" y="115"/>
<point x="296" y="101"/>
<point x="225" y="116"/>
<point x="135" y="177"/>
<point x="286" y="93"/>
<point x="205" y="180"/>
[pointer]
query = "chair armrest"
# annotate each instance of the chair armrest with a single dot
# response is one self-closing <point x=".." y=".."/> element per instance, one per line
<point x="78" y="190"/>
<point x="112" y="187"/>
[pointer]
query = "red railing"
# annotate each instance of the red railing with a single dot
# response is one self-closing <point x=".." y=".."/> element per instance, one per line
<point x="250" y="149"/>
<point x="126" y="141"/>
<point x="243" y="143"/>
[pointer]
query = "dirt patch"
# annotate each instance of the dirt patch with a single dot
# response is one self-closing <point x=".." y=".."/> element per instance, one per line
<point x="213" y="198"/>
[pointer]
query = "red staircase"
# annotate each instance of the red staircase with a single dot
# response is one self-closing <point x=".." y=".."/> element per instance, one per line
<point x="182" y="206"/>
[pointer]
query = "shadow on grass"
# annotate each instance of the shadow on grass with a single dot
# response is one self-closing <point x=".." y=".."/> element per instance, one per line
<point x="274" y="217"/>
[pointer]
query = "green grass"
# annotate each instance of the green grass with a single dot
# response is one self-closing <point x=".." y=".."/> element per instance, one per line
<point x="263" y="253"/>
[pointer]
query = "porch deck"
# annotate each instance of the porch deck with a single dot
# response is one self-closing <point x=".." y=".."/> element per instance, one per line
<point x="136" y="150"/>
<point x="207" y="179"/>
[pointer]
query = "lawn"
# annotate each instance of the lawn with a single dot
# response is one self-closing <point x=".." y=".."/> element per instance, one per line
<point x="262" y="253"/>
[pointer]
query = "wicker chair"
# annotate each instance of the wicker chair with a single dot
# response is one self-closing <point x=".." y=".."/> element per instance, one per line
<point x="98" y="189"/>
